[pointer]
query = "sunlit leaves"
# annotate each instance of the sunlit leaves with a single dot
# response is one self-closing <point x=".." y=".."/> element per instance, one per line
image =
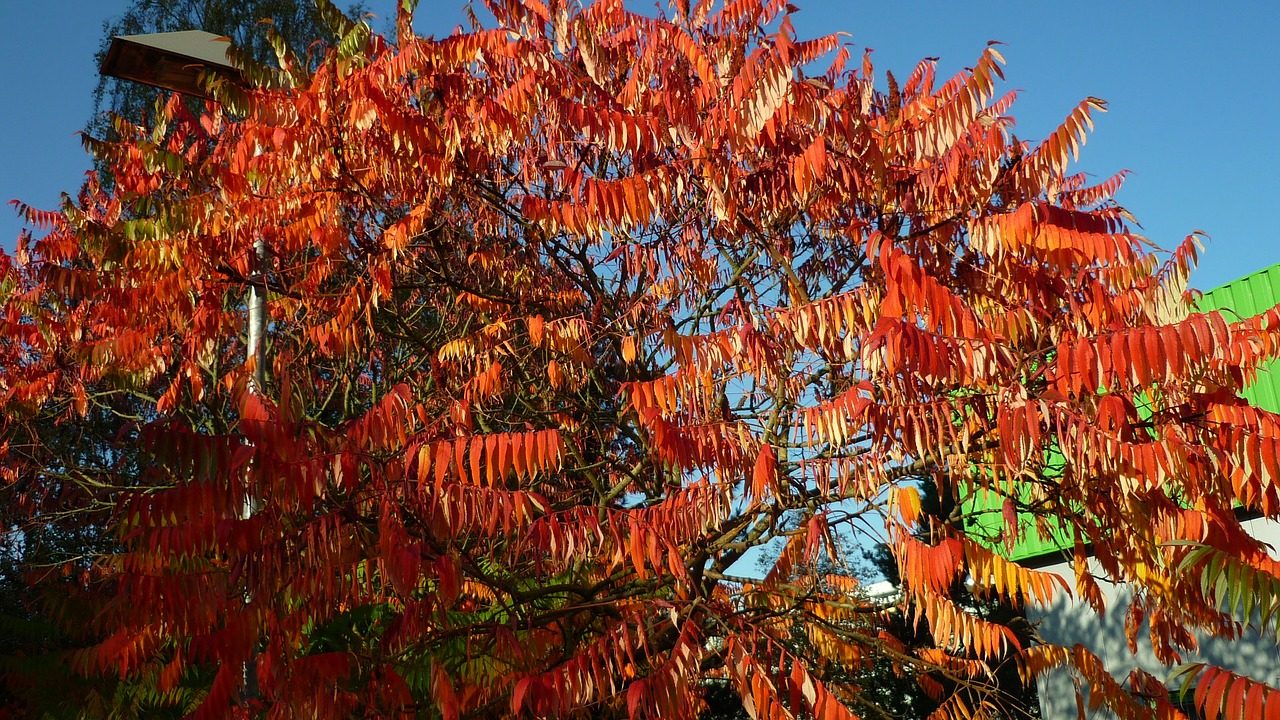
<point x="568" y="317"/>
<point x="1220" y="694"/>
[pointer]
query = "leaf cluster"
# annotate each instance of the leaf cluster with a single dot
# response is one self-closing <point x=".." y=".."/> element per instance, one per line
<point x="567" y="317"/>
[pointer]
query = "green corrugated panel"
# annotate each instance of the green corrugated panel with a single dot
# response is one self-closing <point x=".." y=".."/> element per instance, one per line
<point x="990" y="524"/>
<point x="1246" y="297"/>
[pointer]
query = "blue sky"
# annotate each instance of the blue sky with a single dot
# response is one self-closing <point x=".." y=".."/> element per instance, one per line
<point x="1193" y="87"/>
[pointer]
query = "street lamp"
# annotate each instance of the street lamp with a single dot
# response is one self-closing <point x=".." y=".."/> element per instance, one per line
<point x="174" y="61"/>
<point x="170" y="60"/>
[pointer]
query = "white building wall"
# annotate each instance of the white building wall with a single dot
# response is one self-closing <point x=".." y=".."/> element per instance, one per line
<point x="1070" y="621"/>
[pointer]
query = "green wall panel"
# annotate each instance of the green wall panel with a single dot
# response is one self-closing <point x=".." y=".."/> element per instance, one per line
<point x="1246" y="297"/>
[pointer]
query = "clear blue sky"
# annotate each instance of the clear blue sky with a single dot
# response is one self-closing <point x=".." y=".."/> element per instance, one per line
<point x="1194" y="90"/>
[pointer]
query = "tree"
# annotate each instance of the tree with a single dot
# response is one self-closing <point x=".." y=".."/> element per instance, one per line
<point x="566" y="317"/>
<point x="34" y="642"/>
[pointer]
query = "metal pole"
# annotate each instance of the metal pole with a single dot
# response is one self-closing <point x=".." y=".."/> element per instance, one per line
<point x="257" y="350"/>
<point x="256" y="355"/>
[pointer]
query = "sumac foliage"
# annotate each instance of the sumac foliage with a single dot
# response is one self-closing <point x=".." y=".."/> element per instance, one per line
<point x="569" y="314"/>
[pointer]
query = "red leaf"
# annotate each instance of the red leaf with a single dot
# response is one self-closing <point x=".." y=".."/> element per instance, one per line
<point x="764" y="476"/>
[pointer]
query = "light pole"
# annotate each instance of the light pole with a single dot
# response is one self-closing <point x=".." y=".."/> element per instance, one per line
<point x="174" y="61"/>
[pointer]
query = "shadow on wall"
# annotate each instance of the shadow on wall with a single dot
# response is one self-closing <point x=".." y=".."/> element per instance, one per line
<point x="1068" y="622"/>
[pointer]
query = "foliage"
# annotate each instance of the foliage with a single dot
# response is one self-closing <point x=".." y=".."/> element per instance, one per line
<point x="912" y="694"/>
<point x="62" y="547"/>
<point x="568" y="315"/>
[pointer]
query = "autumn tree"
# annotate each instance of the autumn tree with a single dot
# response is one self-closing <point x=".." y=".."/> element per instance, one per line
<point x="568" y="315"/>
